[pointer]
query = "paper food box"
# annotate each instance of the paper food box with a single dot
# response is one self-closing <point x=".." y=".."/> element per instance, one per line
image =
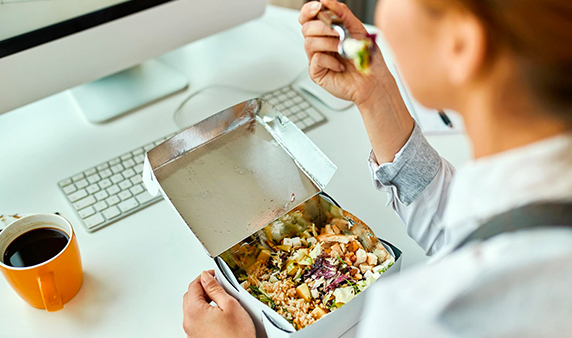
<point x="250" y="185"/>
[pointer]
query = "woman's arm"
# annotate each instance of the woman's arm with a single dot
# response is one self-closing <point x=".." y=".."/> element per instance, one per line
<point x="387" y="120"/>
<point x="417" y="181"/>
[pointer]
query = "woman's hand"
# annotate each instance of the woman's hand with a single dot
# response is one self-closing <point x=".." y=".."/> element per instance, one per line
<point x="227" y="319"/>
<point x="330" y="71"/>
<point x="376" y="95"/>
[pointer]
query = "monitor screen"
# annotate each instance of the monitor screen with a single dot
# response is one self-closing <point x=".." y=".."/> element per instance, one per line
<point x="27" y="23"/>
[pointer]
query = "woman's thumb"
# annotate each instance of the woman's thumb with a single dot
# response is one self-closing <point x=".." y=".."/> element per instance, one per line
<point x="213" y="289"/>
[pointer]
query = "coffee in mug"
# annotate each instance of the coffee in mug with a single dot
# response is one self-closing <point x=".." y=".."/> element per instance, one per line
<point x="35" y="247"/>
<point x="39" y="256"/>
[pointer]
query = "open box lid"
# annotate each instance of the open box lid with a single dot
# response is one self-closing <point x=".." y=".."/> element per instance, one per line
<point x="231" y="174"/>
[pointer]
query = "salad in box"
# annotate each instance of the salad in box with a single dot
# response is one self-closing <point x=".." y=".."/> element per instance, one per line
<point x="309" y="262"/>
<point x="249" y="184"/>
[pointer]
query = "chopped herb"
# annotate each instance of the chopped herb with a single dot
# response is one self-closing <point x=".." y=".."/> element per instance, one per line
<point x="256" y="292"/>
<point x="354" y="286"/>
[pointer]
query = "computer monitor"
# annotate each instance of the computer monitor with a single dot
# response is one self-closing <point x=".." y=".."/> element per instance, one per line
<point x="101" y="48"/>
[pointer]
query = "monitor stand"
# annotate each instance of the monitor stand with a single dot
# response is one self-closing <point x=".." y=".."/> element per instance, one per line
<point x="117" y="94"/>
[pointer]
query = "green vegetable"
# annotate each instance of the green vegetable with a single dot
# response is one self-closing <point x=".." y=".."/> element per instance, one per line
<point x="256" y="292"/>
<point x="354" y="285"/>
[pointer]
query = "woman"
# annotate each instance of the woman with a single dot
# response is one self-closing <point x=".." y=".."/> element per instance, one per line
<point x="506" y="66"/>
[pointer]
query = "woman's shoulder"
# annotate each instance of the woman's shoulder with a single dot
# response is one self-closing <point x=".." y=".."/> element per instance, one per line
<point x="507" y="283"/>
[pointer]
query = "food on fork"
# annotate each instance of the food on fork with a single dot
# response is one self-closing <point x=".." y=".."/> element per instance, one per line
<point x="359" y="52"/>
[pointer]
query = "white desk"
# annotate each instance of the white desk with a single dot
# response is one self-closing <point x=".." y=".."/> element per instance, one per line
<point x="137" y="270"/>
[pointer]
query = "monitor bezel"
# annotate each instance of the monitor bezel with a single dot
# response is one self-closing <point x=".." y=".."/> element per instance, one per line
<point x="62" y="29"/>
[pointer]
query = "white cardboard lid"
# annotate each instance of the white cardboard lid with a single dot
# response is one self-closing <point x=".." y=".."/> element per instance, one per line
<point x="236" y="171"/>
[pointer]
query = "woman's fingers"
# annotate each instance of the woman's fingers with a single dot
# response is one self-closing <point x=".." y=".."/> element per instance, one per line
<point x="314" y="45"/>
<point x="352" y="23"/>
<point x="321" y="61"/>
<point x="214" y="291"/>
<point x="194" y="299"/>
<point x="309" y="11"/>
<point x="317" y="28"/>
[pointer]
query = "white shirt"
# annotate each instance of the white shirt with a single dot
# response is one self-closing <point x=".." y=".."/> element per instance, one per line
<point x="513" y="285"/>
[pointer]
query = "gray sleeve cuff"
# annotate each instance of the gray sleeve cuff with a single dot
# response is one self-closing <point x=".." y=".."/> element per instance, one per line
<point x="413" y="168"/>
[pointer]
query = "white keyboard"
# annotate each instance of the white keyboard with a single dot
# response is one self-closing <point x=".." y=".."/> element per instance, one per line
<point x="112" y="190"/>
<point x="291" y="103"/>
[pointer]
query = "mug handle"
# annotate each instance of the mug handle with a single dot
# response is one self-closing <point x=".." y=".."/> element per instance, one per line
<point x="50" y="295"/>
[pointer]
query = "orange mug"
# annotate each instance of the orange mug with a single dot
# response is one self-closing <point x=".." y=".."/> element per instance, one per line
<point x="49" y="284"/>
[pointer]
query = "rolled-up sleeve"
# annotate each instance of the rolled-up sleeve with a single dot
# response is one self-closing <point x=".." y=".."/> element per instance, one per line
<point x="413" y="168"/>
<point x="417" y="182"/>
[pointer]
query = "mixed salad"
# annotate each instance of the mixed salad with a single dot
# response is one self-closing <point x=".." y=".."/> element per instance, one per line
<point x="309" y="262"/>
<point x="360" y="52"/>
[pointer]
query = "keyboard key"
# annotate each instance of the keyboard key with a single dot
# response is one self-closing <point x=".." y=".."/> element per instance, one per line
<point x="69" y="189"/>
<point x="291" y="94"/>
<point x="124" y="195"/>
<point x="86" y="212"/>
<point x="113" y="200"/>
<point x="279" y="107"/>
<point x="282" y="98"/>
<point x="128" y="204"/>
<point x="92" y="189"/>
<point x="103" y="184"/>
<point x="144" y="197"/>
<point x="100" y="196"/>
<point x="314" y="114"/>
<point x="128" y="173"/>
<point x="297" y="99"/>
<point x="288" y="104"/>
<point x="77" y="177"/>
<point x="158" y="142"/>
<point x="105" y="173"/>
<point x="308" y="121"/>
<point x="117" y="178"/>
<point x="129" y="163"/>
<point x="89" y="200"/>
<point x="115" y="161"/>
<point x="149" y="147"/>
<point x="304" y="105"/>
<point x="76" y="196"/>
<point x="94" y="220"/>
<point x="300" y="125"/>
<point x="114" y="189"/>
<point x="90" y="172"/>
<point x="117" y="168"/>
<point x="139" y="159"/>
<point x="102" y="167"/>
<point x="81" y="184"/>
<point x="136" y="179"/>
<point x="99" y="206"/>
<point x="137" y="189"/>
<point x="139" y="168"/>
<point x="126" y="156"/>
<point x="137" y="152"/>
<point x="65" y="182"/>
<point x="111" y="212"/>
<point x="295" y="109"/>
<point x="94" y="178"/>
<point x="125" y="185"/>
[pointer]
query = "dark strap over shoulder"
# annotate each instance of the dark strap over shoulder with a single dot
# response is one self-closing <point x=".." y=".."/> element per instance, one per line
<point x="526" y="217"/>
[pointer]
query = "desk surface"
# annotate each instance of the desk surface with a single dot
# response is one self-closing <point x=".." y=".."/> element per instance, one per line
<point x="137" y="270"/>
